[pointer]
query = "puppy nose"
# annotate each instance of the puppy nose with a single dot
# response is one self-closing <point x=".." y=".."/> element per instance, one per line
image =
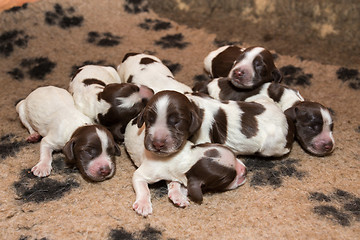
<point x="158" y="144"/>
<point x="238" y="73"/>
<point x="104" y="171"/>
<point x="328" y="146"/>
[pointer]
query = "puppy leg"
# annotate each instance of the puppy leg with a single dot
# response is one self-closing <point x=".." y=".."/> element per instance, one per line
<point x="142" y="205"/>
<point x="34" y="136"/>
<point x="43" y="167"/>
<point x="178" y="194"/>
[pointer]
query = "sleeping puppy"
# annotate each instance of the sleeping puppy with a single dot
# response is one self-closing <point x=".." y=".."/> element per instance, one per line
<point x="246" y="68"/>
<point x="149" y="71"/>
<point x="245" y="127"/>
<point x="98" y="93"/>
<point x="192" y="169"/>
<point x="313" y="122"/>
<point x="49" y="112"/>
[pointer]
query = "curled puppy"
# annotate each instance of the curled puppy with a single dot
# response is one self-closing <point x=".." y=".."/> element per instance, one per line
<point x="313" y="122"/>
<point x="49" y="112"/>
<point x="98" y="93"/>
<point x="245" y="127"/>
<point x="191" y="170"/>
<point x="246" y="68"/>
<point x="149" y="70"/>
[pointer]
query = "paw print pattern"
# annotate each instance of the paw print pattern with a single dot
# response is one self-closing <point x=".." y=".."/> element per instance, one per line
<point x="148" y="233"/>
<point x="103" y="39"/>
<point x="9" y="146"/>
<point x="172" y="41"/>
<point x="265" y="172"/>
<point x="158" y="190"/>
<point x="36" y="68"/>
<point x="174" y="67"/>
<point x="74" y="68"/>
<point x="63" y="17"/>
<point x="349" y="75"/>
<point x="340" y="206"/>
<point x="34" y="189"/>
<point x="220" y="43"/>
<point x="295" y="76"/>
<point x="11" y="39"/>
<point x="136" y="6"/>
<point x="201" y="78"/>
<point x="156" y="25"/>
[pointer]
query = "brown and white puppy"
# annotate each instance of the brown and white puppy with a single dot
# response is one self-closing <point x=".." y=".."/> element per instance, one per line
<point x="245" y="127"/>
<point x="49" y="112"/>
<point x="313" y="122"/>
<point x="246" y="68"/>
<point x="149" y="71"/>
<point x="98" y="93"/>
<point x="190" y="170"/>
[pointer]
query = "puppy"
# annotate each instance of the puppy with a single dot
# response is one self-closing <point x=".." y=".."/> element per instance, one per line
<point x="245" y="127"/>
<point x="98" y="93"/>
<point x="149" y="71"/>
<point x="205" y="167"/>
<point x="313" y="122"/>
<point x="246" y="68"/>
<point x="49" y="112"/>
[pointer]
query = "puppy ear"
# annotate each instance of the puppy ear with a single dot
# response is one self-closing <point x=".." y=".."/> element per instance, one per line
<point x="140" y="118"/>
<point x="292" y="113"/>
<point x="196" y="118"/>
<point x="276" y="75"/>
<point x="68" y="150"/>
<point x="194" y="190"/>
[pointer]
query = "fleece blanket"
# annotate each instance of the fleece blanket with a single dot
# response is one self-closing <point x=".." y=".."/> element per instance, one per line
<point x="299" y="196"/>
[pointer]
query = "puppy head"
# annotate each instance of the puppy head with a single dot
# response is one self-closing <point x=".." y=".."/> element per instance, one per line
<point x="217" y="169"/>
<point x="92" y="149"/>
<point x="313" y="127"/>
<point x="127" y="100"/>
<point x="254" y="67"/>
<point x="170" y="119"/>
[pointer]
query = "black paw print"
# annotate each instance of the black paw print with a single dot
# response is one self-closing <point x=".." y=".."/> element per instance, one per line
<point x="174" y="67"/>
<point x="75" y="68"/>
<point x="36" y="68"/>
<point x="147" y="233"/>
<point x="172" y="41"/>
<point x="201" y="78"/>
<point x="136" y="6"/>
<point x="11" y="39"/>
<point x="220" y="43"/>
<point x="158" y="189"/>
<point x="295" y="76"/>
<point x="340" y="206"/>
<point x="349" y="75"/>
<point x="34" y="189"/>
<point x="156" y="24"/>
<point x="9" y="146"/>
<point x="103" y="39"/>
<point x="63" y="17"/>
<point x="266" y="172"/>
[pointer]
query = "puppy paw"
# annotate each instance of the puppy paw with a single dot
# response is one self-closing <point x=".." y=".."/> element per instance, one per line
<point x="143" y="207"/>
<point x="33" y="138"/>
<point x="41" y="169"/>
<point x="179" y="200"/>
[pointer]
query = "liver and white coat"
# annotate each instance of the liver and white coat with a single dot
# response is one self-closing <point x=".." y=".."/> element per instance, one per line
<point x="149" y="71"/>
<point x="246" y="68"/>
<point x="245" y="127"/>
<point x="99" y="94"/>
<point x="50" y="113"/>
<point x="191" y="169"/>
<point x="313" y="122"/>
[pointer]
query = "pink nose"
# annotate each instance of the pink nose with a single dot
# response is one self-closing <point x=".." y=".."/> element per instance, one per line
<point x="238" y="73"/>
<point x="104" y="171"/>
<point x="328" y="146"/>
<point x="158" y="144"/>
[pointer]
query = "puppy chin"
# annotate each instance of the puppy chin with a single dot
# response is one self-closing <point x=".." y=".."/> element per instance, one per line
<point x="317" y="152"/>
<point x="241" y="83"/>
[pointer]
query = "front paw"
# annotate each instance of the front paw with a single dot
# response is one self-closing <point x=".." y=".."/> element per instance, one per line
<point x="41" y="169"/>
<point x="143" y="207"/>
